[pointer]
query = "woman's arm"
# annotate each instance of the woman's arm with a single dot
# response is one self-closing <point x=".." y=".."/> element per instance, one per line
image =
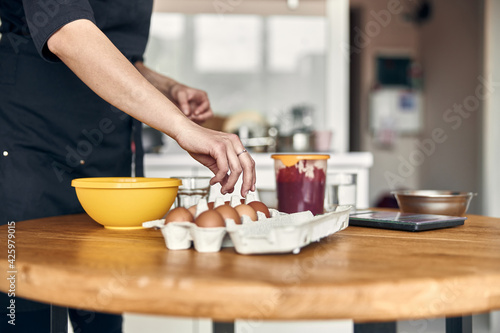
<point x="102" y="67"/>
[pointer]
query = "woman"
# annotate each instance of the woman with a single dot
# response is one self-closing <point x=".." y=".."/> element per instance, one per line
<point x="73" y="91"/>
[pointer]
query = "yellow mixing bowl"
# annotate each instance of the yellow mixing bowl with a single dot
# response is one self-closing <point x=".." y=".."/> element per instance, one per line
<point x="125" y="202"/>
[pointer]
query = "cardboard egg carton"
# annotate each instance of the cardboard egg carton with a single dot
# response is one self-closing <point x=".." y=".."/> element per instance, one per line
<point x="280" y="233"/>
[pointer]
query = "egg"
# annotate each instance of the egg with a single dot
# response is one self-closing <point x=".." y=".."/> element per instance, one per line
<point x="179" y="214"/>
<point x="210" y="205"/>
<point x="192" y="209"/>
<point x="245" y="209"/>
<point x="210" y="219"/>
<point x="260" y="207"/>
<point x="229" y="212"/>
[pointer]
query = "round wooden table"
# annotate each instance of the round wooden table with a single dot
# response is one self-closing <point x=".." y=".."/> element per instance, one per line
<point x="364" y="274"/>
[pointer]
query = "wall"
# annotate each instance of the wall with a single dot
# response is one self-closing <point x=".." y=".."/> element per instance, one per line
<point x="451" y="48"/>
<point x="336" y="115"/>
<point x="260" y="7"/>
<point x="448" y="46"/>
<point x="397" y="36"/>
<point x="491" y="120"/>
<point x="271" y="94"/>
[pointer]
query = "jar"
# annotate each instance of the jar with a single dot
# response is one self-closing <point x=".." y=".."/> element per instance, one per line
<point x="300" y="182"/>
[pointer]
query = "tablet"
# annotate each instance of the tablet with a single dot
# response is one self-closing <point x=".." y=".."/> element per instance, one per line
<point x="404" y="221"/>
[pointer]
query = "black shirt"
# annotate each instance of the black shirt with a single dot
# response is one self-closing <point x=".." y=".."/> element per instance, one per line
<point x="53" y="128"/>
<point x="125" y="22"/>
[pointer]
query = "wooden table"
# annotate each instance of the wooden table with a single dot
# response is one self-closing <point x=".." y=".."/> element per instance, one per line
<point x="368" y="275"/>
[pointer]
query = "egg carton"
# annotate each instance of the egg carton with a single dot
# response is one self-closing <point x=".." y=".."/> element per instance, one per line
<point x="182" y="235"/>
<point x="281" y="233"/>
<point x="286" y="233"/>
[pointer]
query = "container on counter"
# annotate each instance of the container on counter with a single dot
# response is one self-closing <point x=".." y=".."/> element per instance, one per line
<point x="300" y="182"/>
<point x="192" y="190"/>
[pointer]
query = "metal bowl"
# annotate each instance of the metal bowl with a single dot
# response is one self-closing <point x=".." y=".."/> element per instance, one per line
<point x="433" y="202"/>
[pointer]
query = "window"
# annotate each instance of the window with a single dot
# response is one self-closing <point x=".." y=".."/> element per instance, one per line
<point x="228" y="44"/>
<point x="268" y="64"/>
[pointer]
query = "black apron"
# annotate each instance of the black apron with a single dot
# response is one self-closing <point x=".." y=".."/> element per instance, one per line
<point x="53" y="129"/>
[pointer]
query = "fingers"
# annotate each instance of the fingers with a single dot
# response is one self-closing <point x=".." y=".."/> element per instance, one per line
<point x="230" y="166"/>
<point x="199" y="119"/>
<point x="194" y="103"/>
<point x="219" y="152"/>
<point x="222" y="182"/>
<point x="222" y="167"/>
<point x="200" y="112"/>
<point x="240" y="161"/>
<point x="183" y="101"/>
<point x="248" y="165"/>
<point x="202" y="107"/>
<point x="235" y="170"/>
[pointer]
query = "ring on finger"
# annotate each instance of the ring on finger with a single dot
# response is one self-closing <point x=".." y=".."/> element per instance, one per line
<point x="242" y="152"/>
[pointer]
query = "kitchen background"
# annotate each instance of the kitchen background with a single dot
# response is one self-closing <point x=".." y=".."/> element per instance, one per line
<point x="412" y="82"/>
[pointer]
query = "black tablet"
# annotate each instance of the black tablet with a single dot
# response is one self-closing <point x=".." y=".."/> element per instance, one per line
<point x="404" y="221"/>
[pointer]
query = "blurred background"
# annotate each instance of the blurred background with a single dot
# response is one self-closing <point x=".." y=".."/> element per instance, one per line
<point x="412" y="82"/>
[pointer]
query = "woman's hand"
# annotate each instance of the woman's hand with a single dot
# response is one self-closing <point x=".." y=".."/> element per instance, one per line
<point x="216" y="150"/>
<point x="192" y="102"/>
<point x="223" y="154"/>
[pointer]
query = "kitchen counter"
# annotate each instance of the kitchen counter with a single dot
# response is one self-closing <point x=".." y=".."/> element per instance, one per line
<point x="178" y="164"/>
<point x="341" y="160"/>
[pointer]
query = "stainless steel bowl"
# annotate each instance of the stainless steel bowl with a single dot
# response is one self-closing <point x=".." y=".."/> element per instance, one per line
<point x="434" y="202"/>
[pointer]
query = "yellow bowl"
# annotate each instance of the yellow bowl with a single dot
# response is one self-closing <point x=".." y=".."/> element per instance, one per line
<point x="125" y="202"/>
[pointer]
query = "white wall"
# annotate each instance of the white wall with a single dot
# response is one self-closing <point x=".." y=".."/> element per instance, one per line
<point x="337" y="77"/>
<point x="394" y="36"/>
<point x="451" y="46"/>
<point x="491" y="120"/>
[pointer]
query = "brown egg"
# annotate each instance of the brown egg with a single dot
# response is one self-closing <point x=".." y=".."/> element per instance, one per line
<point x="210" y="219"/>
<point x="192" y="210"/>
<point x="260" y="207"/>
<point x="244" y="209"/>
<point x="179" y="214"/>
<point x="229" y="212"/>
<point x="210" y="205"/>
